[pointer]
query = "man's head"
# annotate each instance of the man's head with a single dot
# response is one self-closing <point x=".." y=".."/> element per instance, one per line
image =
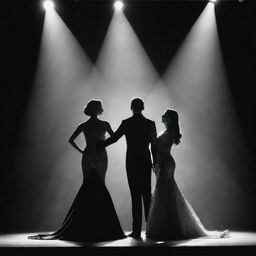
<point x="137" y="105"/>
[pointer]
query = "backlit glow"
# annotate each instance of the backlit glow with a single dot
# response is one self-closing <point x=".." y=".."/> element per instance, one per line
<point x="48" y="5"/>
<point x="118" y="5"/>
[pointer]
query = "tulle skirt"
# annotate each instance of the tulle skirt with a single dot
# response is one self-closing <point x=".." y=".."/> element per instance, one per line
<point x="172" y="217"/>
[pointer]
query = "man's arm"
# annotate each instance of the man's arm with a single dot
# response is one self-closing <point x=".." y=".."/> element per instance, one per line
<point x="114" y="137"/>
<point x="153" y="138"/>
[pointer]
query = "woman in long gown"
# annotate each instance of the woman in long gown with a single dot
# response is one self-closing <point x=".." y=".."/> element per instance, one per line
<point x="92" y="216"/>
<point x="171" y="216"/>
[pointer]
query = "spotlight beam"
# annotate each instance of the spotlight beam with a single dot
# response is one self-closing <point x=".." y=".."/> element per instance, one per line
<point x="59" y="92"/>
<point x="196" y="79"/>
<point x="127" y="72"/>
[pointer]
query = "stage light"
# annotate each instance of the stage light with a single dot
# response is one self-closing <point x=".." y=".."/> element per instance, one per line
<point x="213" y="1"/>
<point x="118" y="5"/>
<point x="48" y="5"/>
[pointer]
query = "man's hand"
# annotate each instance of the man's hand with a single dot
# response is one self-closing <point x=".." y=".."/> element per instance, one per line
<point x="154" y="167"/>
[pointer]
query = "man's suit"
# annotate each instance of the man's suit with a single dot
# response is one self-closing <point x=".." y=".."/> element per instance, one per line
<point x="140" y="132"/>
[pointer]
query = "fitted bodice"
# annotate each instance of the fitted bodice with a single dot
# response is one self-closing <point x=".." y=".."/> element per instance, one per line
<point x="93" y="159"/>
<point x="164" y="143"/>
<point x="165" y="163"/>
<point x="94" y="131"/>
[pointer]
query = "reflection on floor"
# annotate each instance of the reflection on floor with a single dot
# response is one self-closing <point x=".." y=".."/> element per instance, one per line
<point x="236" y="239"/>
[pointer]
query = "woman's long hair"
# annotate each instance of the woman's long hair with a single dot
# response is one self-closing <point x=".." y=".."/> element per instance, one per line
<point x="173" y="127"/>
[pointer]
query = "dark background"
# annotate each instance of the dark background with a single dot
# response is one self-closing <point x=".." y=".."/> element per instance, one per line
<point x="21" y="27"/>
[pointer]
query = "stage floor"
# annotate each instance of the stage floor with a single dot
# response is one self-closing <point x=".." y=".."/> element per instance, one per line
<point x="236" y="239"/>
<point x="19" y="243"/>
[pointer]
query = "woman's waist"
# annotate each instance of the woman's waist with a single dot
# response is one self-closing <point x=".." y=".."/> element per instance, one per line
<point x="92" y="149"/>
<point x="164" y="155"/>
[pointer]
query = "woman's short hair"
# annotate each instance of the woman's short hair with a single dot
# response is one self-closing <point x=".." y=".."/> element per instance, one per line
<point x="93" y="107"/>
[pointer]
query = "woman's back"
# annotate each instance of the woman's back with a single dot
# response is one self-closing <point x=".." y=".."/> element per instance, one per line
<point x="94" y="131"/>
<point x="94" y="159"/>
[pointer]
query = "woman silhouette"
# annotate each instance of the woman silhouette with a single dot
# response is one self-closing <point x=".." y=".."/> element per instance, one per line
<point x="92" y="216"/>
<point x="171" y="216"/>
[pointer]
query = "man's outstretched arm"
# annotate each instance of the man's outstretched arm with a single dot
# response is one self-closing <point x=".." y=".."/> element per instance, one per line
<point x="115" y="137"/>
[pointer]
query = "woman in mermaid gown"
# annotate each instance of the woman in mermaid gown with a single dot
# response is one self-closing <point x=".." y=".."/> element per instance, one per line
<point x="171" y="216"/>
<point x="92" y="216"/>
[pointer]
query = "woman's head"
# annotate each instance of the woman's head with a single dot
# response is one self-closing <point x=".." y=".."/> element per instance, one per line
<point x="93" y="108"/>
<point x="170" y="118"/>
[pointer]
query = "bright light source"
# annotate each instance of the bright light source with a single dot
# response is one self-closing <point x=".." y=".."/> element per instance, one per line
<point x="213" y="1"/>
<point x="118" y="5"/>
<point x="48" y="5"/>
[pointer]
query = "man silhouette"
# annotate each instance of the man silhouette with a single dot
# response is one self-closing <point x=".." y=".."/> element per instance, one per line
<point x="140" y="132"/>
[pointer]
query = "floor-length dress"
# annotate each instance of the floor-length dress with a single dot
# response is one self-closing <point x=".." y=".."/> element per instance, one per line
<point x="171" y="215"/>
<point x="92" y="216"/>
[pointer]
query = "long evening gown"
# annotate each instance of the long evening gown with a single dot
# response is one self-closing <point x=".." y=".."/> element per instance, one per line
<point x="92" y="216"/>
<point x="171" y="216"/>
